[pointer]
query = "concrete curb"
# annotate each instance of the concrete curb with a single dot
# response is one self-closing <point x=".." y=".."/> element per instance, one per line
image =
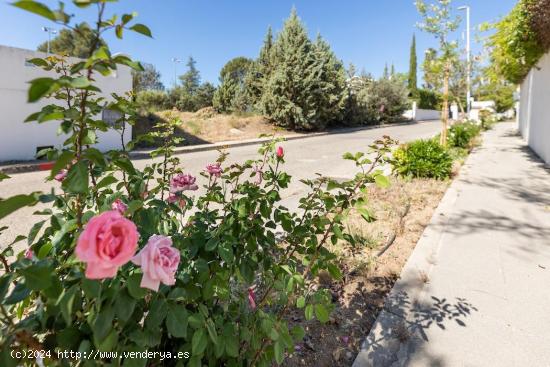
<point x="382" y="346"/>
<point x="32" y="166"/>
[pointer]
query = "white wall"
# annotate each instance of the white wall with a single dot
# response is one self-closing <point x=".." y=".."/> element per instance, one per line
<point x="534" y="115"/>
<point x="18" y="140"/>
<point x="421" y="115"/>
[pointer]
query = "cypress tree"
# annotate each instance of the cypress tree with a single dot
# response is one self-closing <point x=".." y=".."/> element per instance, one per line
<point x="330" y="76"/>
<point x="287" y="97"/>
<point x="413" y="66"/>
<point x="260" y="71"/>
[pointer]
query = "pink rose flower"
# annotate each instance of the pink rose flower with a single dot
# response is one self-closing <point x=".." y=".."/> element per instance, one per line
<point x="61" y="175"/>
<point x="119" y="206"/>
<point x="159" y="262"/>
<point x="280" y="152"/>
<point x="108" y="242"/>
<point x="214" y="169"/>
<point x="173" y="198"/>
<point x="259" y="175"/>
<point x="182" y="182"/>
<point x="251" y="298"/>
<point x="29" y="254"/>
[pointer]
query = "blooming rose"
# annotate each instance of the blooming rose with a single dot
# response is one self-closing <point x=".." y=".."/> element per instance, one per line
<point x="173" y="198"/>
<point x="214" y="169"/>
<point x="182" y="182"/>
<point x="61" y="175"/>
<point x="29" y="254"/>
<point x="280" y="152"/>
<point x="119" y="206"/>
<point x="159" y="262"/>
<point x="108" y="242"/>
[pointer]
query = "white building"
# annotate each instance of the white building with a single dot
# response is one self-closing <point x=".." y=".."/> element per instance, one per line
<point x="21" y="141"/>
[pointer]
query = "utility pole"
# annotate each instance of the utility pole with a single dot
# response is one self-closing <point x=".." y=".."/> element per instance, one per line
<point x="50" y="32"/>
<point x="176" y="61"/>
<point x="468" y="59"/>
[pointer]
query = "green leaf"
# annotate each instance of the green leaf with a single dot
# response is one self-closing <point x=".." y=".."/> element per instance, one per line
<point x="65" y="303"/>
<point x="309" y="312"/>
<point x="334" y="271"/>
<point x="103" y="324"/>
<point x="106" y="181"/>
<point x="91" y="288"/>
<point x="231" y="346"/>
<point x="176" y="321"/>
<point x="19" y="293"/>
<point x="41" y="87"/>
<point x="38" y="275"/>
<point x="157" y="313"/>
<point x="226" y="253"/>
<point x="199" y="342"/>
<point x="77" y="179"/>
<point x="382" y="181"/>
<point x="301" y="302"/>
<point x="298" y="333"/>
<point x="62" y="162"/>
<point x="124" y="306"/>
<point x="107" y="344"/>
<point x="36" y="8"/>
<point x="143" y="29"/>
<point x="4" y="285"/>
<point x="211" y="327"/>
<point x="68" y="338"/>
<point x="10" y="205"/>
<point x="80" y="82"/>
<point x="134" y="287"/>
<point x="321" y="313"/>
<point x="279" y="351"/>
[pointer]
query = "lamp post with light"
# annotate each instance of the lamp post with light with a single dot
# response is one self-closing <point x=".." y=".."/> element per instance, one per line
<point x="50" y="32"/>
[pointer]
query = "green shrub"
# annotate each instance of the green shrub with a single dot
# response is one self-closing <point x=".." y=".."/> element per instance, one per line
<point x="462" y="134"/>
<point x="422" y="158"/>
<point x="152" y="100"/>
<point x="428" y="99"/>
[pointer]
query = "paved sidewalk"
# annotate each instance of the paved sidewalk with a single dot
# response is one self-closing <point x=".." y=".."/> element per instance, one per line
<point x="476" y="291"/>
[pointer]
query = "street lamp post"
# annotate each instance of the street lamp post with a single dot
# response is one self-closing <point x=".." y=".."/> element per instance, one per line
<point x="468" y="59"/>
<point x="176" y="61"/>
<point x="50" y="32"/>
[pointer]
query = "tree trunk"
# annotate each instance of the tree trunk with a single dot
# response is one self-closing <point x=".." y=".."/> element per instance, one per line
<point x="445" y="112"/>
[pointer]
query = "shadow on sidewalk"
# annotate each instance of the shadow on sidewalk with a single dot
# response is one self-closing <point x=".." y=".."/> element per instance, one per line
<point x="401" y="329"/>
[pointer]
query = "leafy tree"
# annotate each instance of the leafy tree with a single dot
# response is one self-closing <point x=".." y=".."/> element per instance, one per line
<point x="76" y="42"/>
<point x="502" y="93"/>
<point x="433" y="75"/>
<point x="147" y="79"/>
<point x="384" y="100"/>
<point x="439" y="21"/>
<point x="191" y="80"/>
<point x="204" y="95"/>
<point x="232" y="78"/>
<point x="413" y="67"/>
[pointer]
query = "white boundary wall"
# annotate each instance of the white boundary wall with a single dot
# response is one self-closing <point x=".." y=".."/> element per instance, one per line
<point x="18" y="140"/>
<point x="534" y="115"/>
<point x="418" y="114"/>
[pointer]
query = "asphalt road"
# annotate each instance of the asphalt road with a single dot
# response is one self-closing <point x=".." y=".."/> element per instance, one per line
<point x="304" y="158"/>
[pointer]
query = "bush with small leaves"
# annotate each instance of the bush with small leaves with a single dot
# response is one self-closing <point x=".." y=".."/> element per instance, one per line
<point x="422" y="158"/>
<point x="461" y="135"/>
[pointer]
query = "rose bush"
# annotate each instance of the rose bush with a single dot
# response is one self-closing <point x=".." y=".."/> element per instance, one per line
<point x="131" y="260"/>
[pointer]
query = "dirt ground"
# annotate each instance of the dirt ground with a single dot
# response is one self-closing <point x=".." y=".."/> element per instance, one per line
<point x="403" y="211"/>
<point x="207" y="126"/>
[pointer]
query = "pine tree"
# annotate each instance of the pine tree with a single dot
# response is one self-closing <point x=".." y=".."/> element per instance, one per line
<point x="259" y="71"/>
<point x="386" y="74"/>
<point x="330" y="77"/>
<point x="191" y="80"/>
<point x="392" y="73"/>
<point x="413" y="66"/>
<point x="287" y="97"/>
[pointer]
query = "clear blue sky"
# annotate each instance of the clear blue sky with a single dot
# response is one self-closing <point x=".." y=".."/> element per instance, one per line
<point x="368" y="33"/>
